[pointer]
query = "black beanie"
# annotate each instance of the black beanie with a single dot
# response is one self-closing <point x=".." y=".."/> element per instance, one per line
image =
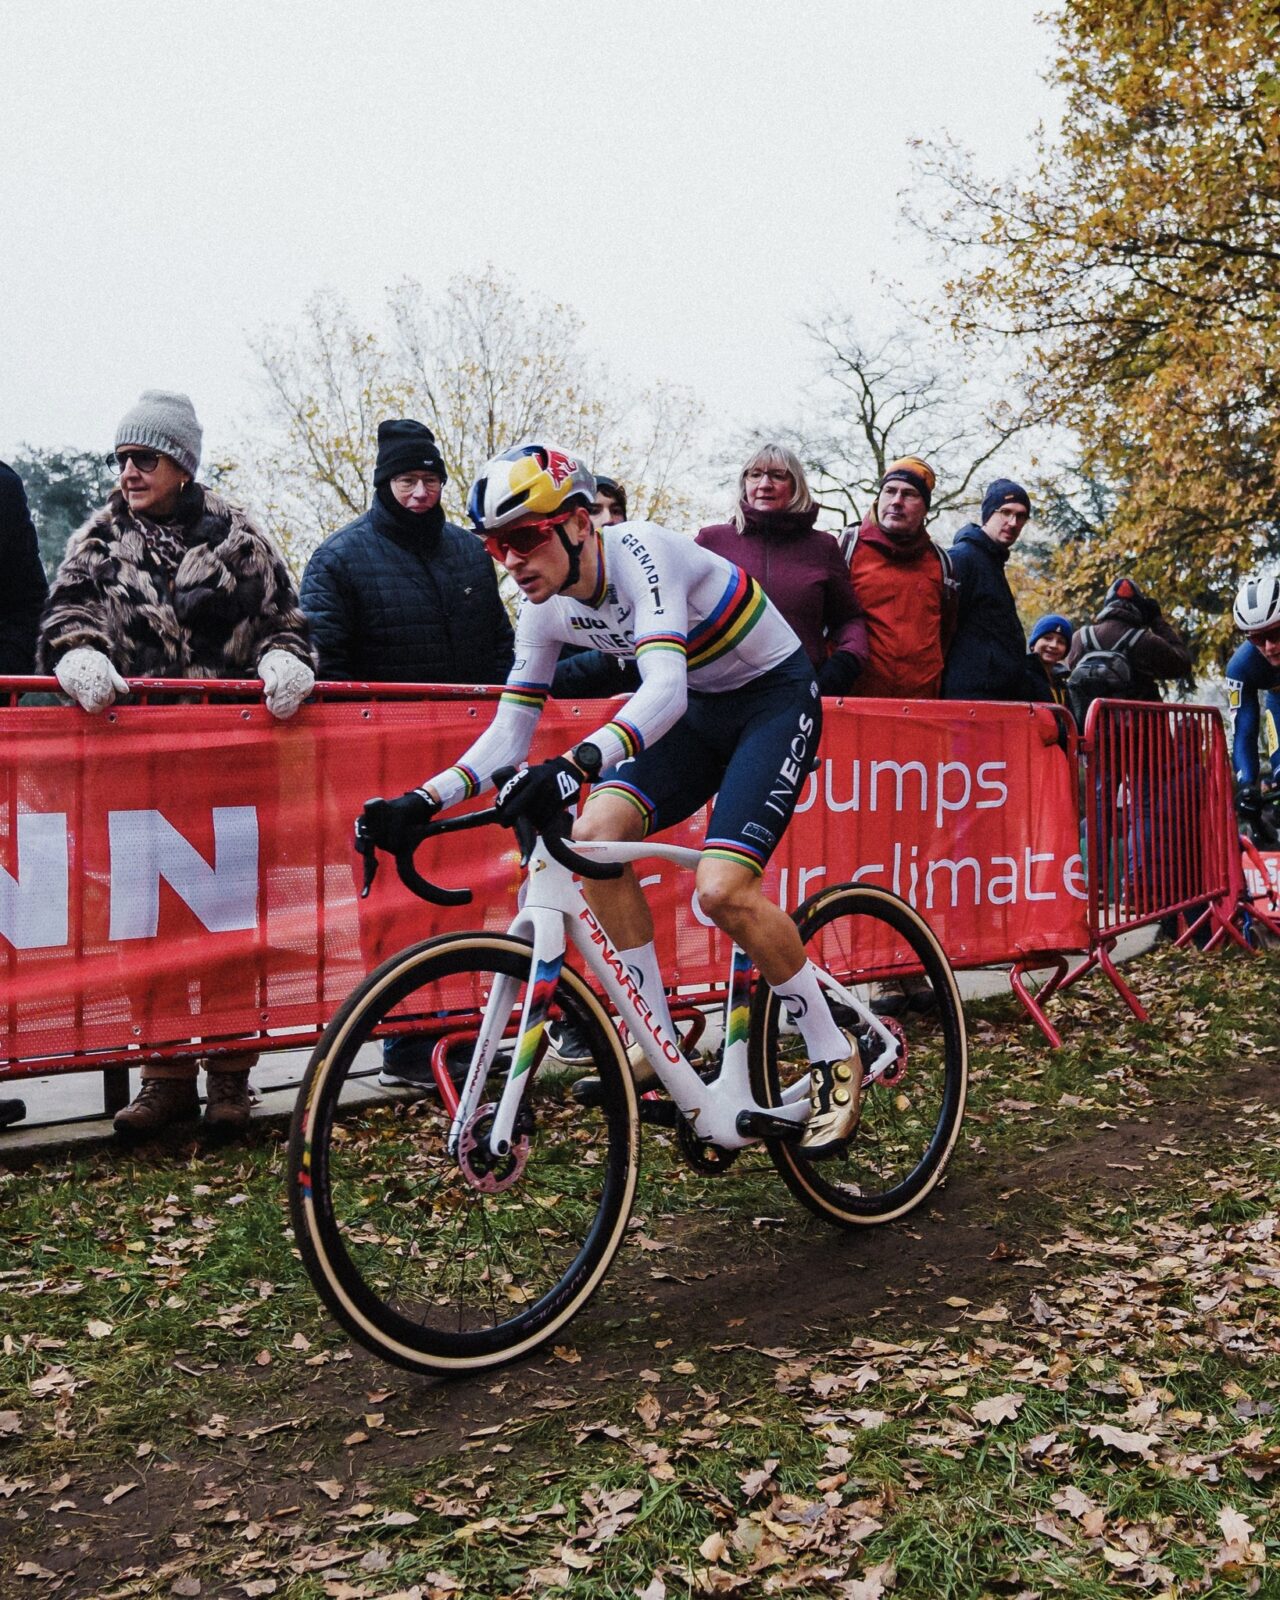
<point x="1003" y="492"/>
<point x="406" y="446"/>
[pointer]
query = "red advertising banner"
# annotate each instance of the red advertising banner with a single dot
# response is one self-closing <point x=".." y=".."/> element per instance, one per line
<point x="180" y="872"/>
<point x="1261" y="869"/>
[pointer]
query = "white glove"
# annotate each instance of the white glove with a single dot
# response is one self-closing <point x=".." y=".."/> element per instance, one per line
<point x="286" y="682"/>
<point x="89" y="678"/>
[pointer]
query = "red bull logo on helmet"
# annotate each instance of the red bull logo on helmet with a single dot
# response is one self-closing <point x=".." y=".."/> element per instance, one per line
<point x="560" y="467"/>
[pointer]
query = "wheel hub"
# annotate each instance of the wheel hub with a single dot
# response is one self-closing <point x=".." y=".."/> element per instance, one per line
<point x="484" y="1171"/>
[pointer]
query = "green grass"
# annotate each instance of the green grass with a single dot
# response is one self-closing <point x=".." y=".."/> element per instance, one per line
<point x="143" y="1297"/>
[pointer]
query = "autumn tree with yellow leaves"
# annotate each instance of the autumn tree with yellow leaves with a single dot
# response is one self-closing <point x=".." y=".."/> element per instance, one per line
<point x="1138" y="267"/>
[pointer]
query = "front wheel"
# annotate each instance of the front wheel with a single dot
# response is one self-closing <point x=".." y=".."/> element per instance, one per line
<point x="883" y="955"/>
<point x="445" y="1262"/>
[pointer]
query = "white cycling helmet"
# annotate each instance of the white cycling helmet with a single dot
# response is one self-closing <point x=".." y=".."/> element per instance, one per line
<point x="530" y="480"/>
<point x="1257" y="606"/>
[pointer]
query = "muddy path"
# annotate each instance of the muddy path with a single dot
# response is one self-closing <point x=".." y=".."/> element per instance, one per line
<point x="781" y="1281"/>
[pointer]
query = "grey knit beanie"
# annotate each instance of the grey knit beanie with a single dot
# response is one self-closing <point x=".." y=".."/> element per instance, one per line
<point x="164" y="421"/>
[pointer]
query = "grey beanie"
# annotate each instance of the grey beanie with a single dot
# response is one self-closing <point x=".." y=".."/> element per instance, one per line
<point x="165" y="421"/>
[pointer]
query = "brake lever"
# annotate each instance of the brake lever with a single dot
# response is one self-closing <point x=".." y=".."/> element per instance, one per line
<point x="554" y="836"/>
<point x="526" y="837"/>
<point x="369" y="851"/>
<point x="408" y="872"/>
<point x="526" y="834"/>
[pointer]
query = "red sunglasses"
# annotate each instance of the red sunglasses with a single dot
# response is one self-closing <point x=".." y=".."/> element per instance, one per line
<point x="525" y="537"/>
<point x="1265" y="635"/>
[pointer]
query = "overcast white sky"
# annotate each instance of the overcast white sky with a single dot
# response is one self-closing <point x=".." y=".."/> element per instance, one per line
<point x="690" y="175"/>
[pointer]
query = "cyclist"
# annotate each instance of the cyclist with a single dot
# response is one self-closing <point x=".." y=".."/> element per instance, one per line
<point x="1253" y="671"/>
<point x="727" y="707"/>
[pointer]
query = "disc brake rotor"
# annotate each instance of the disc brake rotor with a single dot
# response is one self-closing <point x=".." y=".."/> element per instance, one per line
<point x="870" y="1045"/>
<point x="484" y="1171"/>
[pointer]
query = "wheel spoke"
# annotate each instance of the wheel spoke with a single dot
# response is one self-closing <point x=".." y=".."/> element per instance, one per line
<point x="880" y="953"/>
<point x="439" y="1260"/>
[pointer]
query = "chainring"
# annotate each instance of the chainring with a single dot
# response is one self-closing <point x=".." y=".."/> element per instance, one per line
<point x="700" y="1154"/>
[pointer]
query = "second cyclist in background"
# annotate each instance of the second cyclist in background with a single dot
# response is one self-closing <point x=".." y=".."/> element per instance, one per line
<point x="727" y="707"/>
<point x="1253" y="674"/>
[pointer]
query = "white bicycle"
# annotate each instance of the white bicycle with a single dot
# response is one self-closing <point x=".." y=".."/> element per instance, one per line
<point x="466" y="1228"/>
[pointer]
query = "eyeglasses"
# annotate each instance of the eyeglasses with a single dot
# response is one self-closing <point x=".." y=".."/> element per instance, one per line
<point x="1269" y="635"/>
<point x="146" y="461"/>
<point x="774" y="474"/>
<point x="413" y="480"/>
<point x="524" y="538"/>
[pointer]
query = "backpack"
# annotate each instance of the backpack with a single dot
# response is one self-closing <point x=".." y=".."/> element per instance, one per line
<point x="847" y="541"/>
<point x="1101" y="674"/>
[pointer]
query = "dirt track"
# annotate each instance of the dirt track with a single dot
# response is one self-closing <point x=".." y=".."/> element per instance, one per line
<point x="730" y="1282"/>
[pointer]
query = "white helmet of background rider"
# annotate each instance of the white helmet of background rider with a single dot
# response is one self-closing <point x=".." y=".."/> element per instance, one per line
<point x="1257" y="606"/>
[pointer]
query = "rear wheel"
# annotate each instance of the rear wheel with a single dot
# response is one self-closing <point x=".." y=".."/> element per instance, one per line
<point x="455" y="1262"/>
<point x="881" y="951"/>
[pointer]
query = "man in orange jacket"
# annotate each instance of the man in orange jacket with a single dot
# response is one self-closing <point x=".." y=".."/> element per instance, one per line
<point x="904" y="583"/>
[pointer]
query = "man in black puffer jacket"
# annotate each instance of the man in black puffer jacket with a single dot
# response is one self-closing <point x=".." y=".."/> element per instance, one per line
<point x="400" y="595"/>
<point x="988" y="656"/>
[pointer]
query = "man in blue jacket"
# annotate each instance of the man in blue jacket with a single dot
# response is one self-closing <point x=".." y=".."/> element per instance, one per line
<point x="1253" y="673"/>
<point x="988" y="656"/>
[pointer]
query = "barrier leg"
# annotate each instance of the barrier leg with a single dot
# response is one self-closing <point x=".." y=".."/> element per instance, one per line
<point x="1117" y="982"/>
<point x="1033" y="1004"/>
<point x="1224" y="926"/>
<point x="1083" y="970"/>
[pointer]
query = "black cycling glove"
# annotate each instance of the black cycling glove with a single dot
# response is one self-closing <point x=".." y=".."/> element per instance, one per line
<point x="397" y="826"/>
<point x="1249" y="809"/>
<point x="838" y="673"/>
<point x="540" y="793"/>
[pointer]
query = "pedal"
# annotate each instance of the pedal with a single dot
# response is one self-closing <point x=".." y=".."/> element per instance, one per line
<point x="765" y="1125"/>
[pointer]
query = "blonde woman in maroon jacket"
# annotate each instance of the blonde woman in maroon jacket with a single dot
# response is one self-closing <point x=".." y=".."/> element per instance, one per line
<point x="772" y="537"/>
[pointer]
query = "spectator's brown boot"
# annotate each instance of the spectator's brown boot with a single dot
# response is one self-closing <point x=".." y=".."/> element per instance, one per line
<point x="167" y="1096"/>
<point x="228" y="1101"/>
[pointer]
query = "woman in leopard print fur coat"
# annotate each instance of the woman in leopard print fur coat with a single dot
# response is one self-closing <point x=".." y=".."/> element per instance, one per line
<point x="169" y="580"/>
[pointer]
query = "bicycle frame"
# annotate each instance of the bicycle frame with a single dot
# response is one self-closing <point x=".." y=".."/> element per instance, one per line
<point x="552" y="903"/>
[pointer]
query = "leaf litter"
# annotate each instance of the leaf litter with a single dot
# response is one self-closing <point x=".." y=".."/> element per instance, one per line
<point x="1118" y="1412"/>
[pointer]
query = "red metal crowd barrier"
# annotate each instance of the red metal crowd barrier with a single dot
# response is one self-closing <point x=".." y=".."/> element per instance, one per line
<point x="1260" y="894"/>
<point x="173" y="873"/>
<point x="1159" y="830"/>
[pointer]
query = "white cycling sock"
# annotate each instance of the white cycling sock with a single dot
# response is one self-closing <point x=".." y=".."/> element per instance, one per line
<point x="803" y="997"/>
<point x="642" y="964"/>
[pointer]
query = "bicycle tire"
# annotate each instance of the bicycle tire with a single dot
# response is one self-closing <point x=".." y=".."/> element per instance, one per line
<point x="411" y="1257"/>
<point x="870" y="939"/>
